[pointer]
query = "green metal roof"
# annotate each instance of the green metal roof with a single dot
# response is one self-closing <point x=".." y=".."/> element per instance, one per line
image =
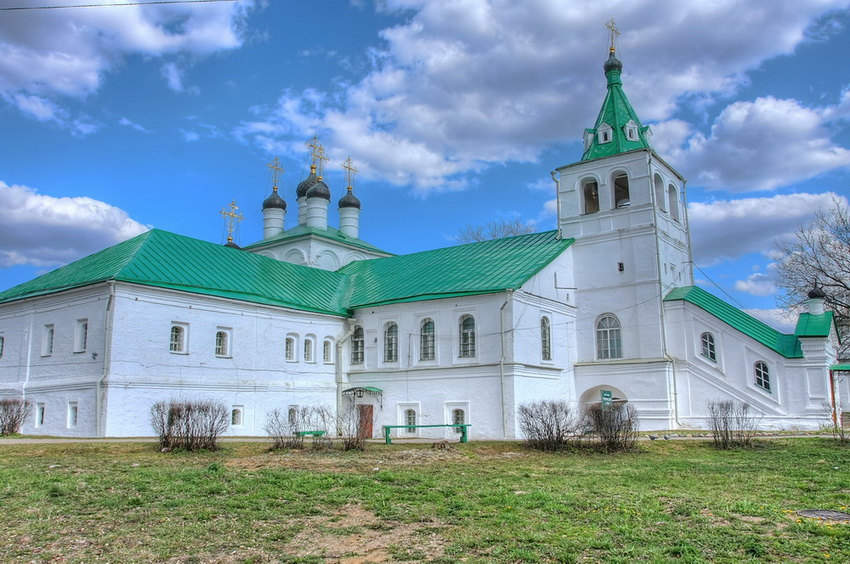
<point x="162" y="259"/>
<point x="476" y="268"/>
<point x="809" y="325"/>
<point x="616" y="112"/>
<point x="786" y="345"/>
<point x="330" y="233"/>
<point x="840" y="367"/>
<point x="166" y="260"/>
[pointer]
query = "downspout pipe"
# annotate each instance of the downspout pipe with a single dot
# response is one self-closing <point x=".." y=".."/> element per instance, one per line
<point x="502" y="390"/>
<point x="352" y="323"/>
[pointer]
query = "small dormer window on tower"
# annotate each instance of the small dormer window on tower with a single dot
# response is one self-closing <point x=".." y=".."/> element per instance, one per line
<point x="604" y="133"/>
<point x="631" y="131"/>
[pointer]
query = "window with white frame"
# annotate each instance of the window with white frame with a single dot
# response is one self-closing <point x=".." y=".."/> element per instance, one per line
<point x="237" y="413"/>
<point x="608" y="344"/>
<point x="458" y="418"/>
<point x="73" y="414"/>
<point x="467" y="337"/>
<point x="631" y="131"/>
<point x="2" y="345"/>
<point x="707" y="347"/>
<point x="604" y="133"/>
<point x="222" y="342"/>
<point x="391" y="342"/>
<point x="410" y="419"/>
<point x="39" y="414"/>
<point x="292" y="416"/>
<point x="289" y="348"/>
<point x="309" y="349"/>
<point x="327" y="351"/>
<point x="47" y="340"/>
<point x="762" y="375"/>
<point x="81" y="335"/>
<point x="427" y="348"/>
<point x="357" y="346"/>
<point x="545" y="338"/>
<point x="177" y="342"/>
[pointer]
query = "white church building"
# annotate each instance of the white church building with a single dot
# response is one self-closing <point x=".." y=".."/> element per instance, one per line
<point x="314" y="316"/>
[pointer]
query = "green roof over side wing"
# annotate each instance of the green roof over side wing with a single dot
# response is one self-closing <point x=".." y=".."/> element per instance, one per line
<point x="476" y="268"/>
<point x="809" y="325"/>
<point x="305" y="231"/>
<point x="786" y="345"/>
<point x="162" y="259"/>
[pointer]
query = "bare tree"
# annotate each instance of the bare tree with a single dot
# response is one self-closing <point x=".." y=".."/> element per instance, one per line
<point x="820" y="254"/>
<point x="493" y="230"/>
<point x="13" y="413"/>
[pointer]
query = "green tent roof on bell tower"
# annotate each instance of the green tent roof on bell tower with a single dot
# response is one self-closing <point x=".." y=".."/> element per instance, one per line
<point x="617" y="118"/>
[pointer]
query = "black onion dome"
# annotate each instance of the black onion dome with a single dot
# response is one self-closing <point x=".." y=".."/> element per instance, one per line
<point x="319" y="190"/>
<point x="613" y="63"/>
<point x="232" y="245"/>
<point x="349" y="201"/>
<point x="274" y="201"/>
<point x="305" y="185"/>
<point x="816" y="293"/>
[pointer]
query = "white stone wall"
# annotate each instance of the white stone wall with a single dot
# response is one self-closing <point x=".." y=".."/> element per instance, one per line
<point x="68" y="375"/>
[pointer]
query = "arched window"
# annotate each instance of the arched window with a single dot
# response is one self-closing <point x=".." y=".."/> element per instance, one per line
<point x="467" y="337"/>
<point x="236" y="416"/>
<point x="357" y="346"/>
<point x="621" y="191"/>
<point x="177" y="342"/>
<point x="545" y="338"/>
<point x="673" y="196"/>
<point x="660" y="196"/>
<point x="391" y="342"/>
<point x="426" y="340"/>
<point x="708" y="350"/>
<point x="290" y="348"/>
<point x="410" y="419"/>
<point x="221" y="344"/>
<point x="308" y="349"/>
<point x="327" y="351"/>
<point x="762" y="376"/>
<point x="608" y="343"/>
<point x="458" y="418"/>
<point x="590" y="194"/>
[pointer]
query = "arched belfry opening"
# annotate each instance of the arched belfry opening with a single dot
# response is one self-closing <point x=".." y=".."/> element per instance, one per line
<point x="590" y="195"/>
<point x="621" y="190"/>
<point x="660" y="197"/>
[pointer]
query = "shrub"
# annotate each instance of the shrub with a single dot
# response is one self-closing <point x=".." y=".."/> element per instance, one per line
<point x="13" y="413"/>
<point x="733" y="423"/>
<point x="189" y="425"/>
<point x="615" y="426"/>
<point x="549" y="425"/>
<point x="348" y="426"/>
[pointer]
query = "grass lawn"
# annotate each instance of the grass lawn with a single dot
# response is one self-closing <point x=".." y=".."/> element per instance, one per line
<point x="480" y="502"/>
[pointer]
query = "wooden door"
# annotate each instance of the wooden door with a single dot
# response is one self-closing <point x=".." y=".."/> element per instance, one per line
<point x="364" y="421"/>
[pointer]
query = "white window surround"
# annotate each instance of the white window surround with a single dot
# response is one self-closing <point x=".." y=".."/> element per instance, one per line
<point x="609" y="343"/>
<point x="449" y="408"/>
<point x="708" y="346"/>
<point x="81" y="335"/>
<point x="604" y="134"/>
<point x="237" y="416"/>
<point x="402" y="417"/>
<point x="328" y="350"/>
<point x="291" y="348"/>
<point x="467" y="336"/>
<point x="223" y="342"/>
<point x="762" y="377"/>
<point x="39" y="414"/>
<point x="73" y="414"/>
<point x="631" y="131"/>
<point x="178" y="338"/>
<point x="2" y="344"/>
<point x="358" y="346"/>
<point x="546" y="338"/>
<point x="391" y="343"/>
<point x="309" y="349"/>
<point x="48" y="335"/>
<point x="427" y="352"/>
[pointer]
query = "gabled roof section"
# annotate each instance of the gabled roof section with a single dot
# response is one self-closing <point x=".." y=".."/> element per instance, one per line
<point x="809" y="325"/>
<point x="786" y="345"/>
<point x="616" y="113"/>
<point x="166" y="260"/>
<point x="475" y="268"/>
<point x="306" y="231"/>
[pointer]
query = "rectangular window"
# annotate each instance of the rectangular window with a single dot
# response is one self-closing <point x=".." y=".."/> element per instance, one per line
<point x="47" y="341"/>
<point x="236" y="416"/>
<point x="222" y="342"/>
<point x="2" y="345"/>
<point x="308" y="350"/>
<point x="81" y="335"/>
<point x="327" y="351"/>
<point x="290" y="348"/>
<point x="177" y="341"/>
<point x="73" y="411"/>
<point x="39" y="414"/>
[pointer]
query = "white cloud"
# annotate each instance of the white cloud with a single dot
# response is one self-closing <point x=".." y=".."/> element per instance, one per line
<point x="728" y="229"/>
<point x="42" y="230"/>
<point x="56" y="53"/>
<point x="465" y="84"/>
<point x="752" y="146"/>
<point x="757" y="284"/>
<point x="126" y="122"/>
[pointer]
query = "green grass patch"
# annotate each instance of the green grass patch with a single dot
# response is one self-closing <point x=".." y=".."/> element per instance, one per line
<point x="671" y="501"/>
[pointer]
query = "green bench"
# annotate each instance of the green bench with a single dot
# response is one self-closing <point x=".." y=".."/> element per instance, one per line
<point x="310" y="433"/>
<point x="464" y="430"/>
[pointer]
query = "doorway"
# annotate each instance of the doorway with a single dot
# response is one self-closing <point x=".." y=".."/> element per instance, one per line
<point x="364" y="421"/>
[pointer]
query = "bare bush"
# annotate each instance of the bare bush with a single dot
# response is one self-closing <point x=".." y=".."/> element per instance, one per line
<point x="287" y="430"/>
<point x="13" y="413"/>
<point x="733" y="423"/>
<point x="615" y="426"/>
<point x="189" y="425"/>
<point x="838" y="424"/>
<point x="549" y="425"/>
<point x="351" y="430"/>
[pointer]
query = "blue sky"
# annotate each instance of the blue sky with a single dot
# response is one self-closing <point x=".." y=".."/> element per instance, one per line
<point x="117" y="119"/>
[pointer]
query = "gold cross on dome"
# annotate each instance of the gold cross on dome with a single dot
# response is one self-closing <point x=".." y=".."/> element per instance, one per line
<point x="231" y="219"/>
<point x="321" y="159"/>
<point x="276" y="170"/>
<point x="315" y="149"/>
<point x="612" y="29"/>
<point x="350" y="171"/>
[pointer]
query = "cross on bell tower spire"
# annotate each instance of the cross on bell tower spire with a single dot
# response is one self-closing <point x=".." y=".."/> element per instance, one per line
<point x="231" y="220"/>
<point x="614" y="32"/>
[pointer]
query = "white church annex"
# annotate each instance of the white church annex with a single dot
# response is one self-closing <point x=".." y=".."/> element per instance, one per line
<point x="313" y="315"/>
